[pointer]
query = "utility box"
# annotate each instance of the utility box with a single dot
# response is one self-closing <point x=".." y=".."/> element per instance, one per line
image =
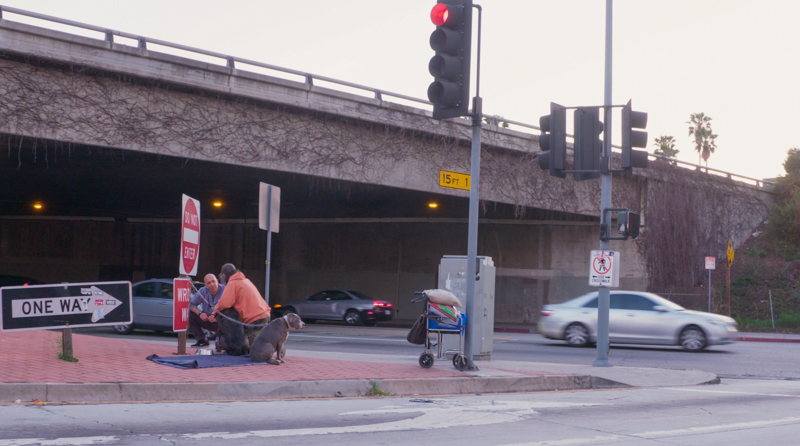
<point x="453" y="278"/>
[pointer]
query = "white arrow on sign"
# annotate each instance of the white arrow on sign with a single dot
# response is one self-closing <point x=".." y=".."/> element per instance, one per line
<point x="92" y="301"/>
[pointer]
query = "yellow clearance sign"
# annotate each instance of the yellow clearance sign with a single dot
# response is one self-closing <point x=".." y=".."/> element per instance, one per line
<point x="454" y="180"/>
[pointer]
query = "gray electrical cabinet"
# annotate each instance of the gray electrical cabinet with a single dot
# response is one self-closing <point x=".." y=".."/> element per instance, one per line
<point x="452" y="277"/>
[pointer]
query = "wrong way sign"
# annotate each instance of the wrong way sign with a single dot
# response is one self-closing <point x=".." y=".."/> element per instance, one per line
<point x="38" y="307"/>
<point x="182" y="293"/>
<point x="190" y="236"/>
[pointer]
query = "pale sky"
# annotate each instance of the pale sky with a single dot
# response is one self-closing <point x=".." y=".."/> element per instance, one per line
<point x="734" y="60"/>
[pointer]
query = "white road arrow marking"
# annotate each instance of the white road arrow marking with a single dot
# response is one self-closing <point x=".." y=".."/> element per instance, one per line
<point x="434" y="416"/>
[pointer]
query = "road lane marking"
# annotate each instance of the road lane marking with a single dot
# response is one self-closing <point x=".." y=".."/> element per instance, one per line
<point x="64" y="441"/>
<point x="663" y="434"/>
<point x="737" y="393"/>
<point x="295" y="335"/>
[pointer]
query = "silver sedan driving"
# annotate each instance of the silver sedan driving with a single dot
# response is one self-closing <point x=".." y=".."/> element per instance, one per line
<point x="636" y="318"/>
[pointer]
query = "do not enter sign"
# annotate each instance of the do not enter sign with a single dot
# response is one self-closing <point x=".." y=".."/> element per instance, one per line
<point x="190" y="236"/>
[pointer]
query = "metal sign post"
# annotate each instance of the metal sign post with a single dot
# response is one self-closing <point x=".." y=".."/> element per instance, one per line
<point x="728" y="275"/>
<point x="711" y="263"/>
<point x="269" y="211"/>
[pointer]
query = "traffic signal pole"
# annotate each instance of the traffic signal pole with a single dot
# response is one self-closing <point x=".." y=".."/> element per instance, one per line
<point x="605" y="201"/>
<point x="474" y="198"/>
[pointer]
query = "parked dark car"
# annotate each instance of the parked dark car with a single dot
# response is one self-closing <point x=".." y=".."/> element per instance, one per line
<point x="352" y="307"/>
<point x="152" y="306"/>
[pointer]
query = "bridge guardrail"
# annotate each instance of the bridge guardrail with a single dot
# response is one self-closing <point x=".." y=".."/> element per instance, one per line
<point x="230" y="62"/>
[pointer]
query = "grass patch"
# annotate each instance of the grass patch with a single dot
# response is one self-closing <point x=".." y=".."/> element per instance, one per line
<point x="67" y="358"/>
<point x="786" y="321"/>
<point x="375" y="390"/>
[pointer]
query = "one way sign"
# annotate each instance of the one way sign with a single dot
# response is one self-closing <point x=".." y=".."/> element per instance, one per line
<point x="40" y="307"/>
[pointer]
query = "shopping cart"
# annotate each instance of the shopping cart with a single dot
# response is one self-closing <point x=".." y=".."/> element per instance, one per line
<point x="442" y="320"/>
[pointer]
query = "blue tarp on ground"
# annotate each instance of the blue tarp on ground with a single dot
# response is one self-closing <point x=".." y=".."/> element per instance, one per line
<point x="204" y="361"/>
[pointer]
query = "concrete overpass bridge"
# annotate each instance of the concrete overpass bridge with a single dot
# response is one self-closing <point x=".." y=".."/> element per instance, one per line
<point x="108" y="131"/>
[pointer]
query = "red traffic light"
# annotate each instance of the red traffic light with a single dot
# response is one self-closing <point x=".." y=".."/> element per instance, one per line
<point x="446" y="15"/>
<point x="439" y="14"/>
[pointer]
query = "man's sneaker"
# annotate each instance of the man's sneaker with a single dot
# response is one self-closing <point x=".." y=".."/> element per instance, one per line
<point x="202" y="343"/>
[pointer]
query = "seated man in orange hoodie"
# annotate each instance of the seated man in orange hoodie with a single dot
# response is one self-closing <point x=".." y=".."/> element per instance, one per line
<point x="242" y="295"/>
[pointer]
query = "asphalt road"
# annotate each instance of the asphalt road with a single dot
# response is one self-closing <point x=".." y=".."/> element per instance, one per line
<point x="734" y="413"/>
<point x="739" y="360"/>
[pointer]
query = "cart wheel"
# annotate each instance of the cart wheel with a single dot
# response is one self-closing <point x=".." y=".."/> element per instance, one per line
<point x="460" y="362"/>
<point x="426" y="360"/>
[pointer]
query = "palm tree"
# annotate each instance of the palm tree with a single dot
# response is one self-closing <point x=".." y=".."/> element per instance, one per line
<point x="704" y="138"/>
<point x="666" y="146"/>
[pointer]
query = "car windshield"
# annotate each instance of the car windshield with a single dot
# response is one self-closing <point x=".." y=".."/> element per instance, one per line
<point x="590" y="301"/>
<point x="664" y="302"/>
<point x="360" y="295"/>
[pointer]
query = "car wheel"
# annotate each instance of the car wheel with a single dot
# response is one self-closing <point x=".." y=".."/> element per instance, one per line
<point x="577" y="335"/>
<point x="122" y="328"/>
<point x="287" y="311"/>
<point x="352" y="317"/>
<point x="693" y="338"/>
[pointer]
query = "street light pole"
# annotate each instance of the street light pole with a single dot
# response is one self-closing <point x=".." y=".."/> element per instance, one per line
<point x="474" y="198"/>
<point x="605" y="199"/>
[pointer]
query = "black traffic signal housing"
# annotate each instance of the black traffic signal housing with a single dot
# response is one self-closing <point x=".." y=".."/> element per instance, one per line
<point x="450" y="67"/>
<point x="628" y="224"/>
<point x="633" y="138"/>
<point x="553" y="140"/>
<point x="588" y="146"/>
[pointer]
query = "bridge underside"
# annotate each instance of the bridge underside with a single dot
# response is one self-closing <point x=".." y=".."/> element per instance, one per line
<point x="110" y="214"/>
<point x="88" y="181"/>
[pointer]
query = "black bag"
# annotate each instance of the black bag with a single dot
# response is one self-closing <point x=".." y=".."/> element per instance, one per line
<point x="419" y="332"/>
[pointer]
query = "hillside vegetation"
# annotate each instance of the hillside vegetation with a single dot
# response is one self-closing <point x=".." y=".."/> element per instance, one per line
<point x="768" y="264"/>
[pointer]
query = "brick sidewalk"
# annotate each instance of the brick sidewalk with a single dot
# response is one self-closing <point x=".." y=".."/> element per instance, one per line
<point x="32" y="357"/>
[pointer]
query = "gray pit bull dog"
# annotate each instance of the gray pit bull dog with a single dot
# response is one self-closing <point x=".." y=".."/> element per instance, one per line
<point x="271" y="339"/>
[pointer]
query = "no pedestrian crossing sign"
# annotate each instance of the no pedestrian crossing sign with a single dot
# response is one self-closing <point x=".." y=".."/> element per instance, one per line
<point x="604" y="269"/>
<point x="38" y="307"/>
<point x="190" y="236"/>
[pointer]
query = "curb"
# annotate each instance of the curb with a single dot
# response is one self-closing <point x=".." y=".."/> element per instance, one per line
<point x="142" y="392"/>
<point x="747" y="339"/>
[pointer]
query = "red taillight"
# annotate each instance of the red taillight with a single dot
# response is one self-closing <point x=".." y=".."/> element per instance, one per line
<point x="381" y="304"/>
<point x="546" y="313"/>
<point x="370" y="312"/>
<point x="389" y="305"/>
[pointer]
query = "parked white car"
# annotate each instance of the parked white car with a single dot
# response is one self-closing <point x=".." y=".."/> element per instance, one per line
<point x="636" y="318"/>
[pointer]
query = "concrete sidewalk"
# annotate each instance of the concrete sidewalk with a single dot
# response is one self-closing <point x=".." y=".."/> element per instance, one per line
<point x="116" y="370"/>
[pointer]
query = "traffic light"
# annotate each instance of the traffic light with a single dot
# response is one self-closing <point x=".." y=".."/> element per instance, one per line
<point x="633" y="138"/>
<point x="588" y="146"/>
<point x="553" y="140"/>
<point x="449" y="91"/>
<point x="628" y="224"/>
